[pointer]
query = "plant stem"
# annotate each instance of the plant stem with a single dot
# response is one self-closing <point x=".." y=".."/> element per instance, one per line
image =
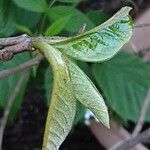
<point x="43" y="20"/>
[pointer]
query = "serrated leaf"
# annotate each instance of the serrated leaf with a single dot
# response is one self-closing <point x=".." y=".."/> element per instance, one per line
<point x="7" y="84"/>
<point x="87" y="94"/>
<point x="63" y="104"/>
<point x="102" y="42"/>
<point x="32" y="5"/>
<point x="124" y="80"/>
<point x="57" y="26"/>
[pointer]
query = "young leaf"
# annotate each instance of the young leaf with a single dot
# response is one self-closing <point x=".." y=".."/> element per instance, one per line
<point x="87" y="94"/>
<point x="124" y="80"/>
<point x="102" y="42"/>
<point x="63" y="104"/>
<point x="57" y="26"/>
<point x="32" y="5"/>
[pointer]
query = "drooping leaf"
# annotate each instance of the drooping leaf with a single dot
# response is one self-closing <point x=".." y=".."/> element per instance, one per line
<point x="76" y="21"/>
<point x="57" y="26"/>
<point x="48" y="82"/>
<point x="87" y="94"/>
<point x="32" y="5"/>
<point x="102" y="42"/>
<point x="124" y="80"/>
<point x="63" y="104"/>
<point x="7" y="84"/>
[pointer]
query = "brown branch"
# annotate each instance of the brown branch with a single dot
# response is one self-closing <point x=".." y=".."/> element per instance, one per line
<point x="141" y="138"/>
<point x="143" y="112"/>
<point x="24" y="66"/>
<point x="14" y="45"/>
<point x="9" y="105"/>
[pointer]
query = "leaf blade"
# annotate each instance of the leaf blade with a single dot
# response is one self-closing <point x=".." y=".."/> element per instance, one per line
<point x="124" y="81"/>
<point x="102" y="42"/>
<point x="63" y="104"/>
<point x="87" y="94"/>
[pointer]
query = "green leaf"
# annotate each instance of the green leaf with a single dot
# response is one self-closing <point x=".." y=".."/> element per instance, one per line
<point x="57" y="26"/>
<point x="23" y="29"/>
<point x="76" y="21"/>
<point x="6" y="18"/>
<point x="124" y="81"/>
<point x="7" y="84"/>
<point x="63" y="104"/>
<point x="102" y="42"/>
<point x="32" y="5"/>
<point x="87" y="94"/>
<point x="70" y="1"/>
<point x="48" y="82"/>
<point x="97" y="16"/>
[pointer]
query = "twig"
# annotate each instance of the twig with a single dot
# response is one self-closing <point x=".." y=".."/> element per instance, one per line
<point x="143" y="112"/>
<point x="14" y="45"/>
<point x="9" y="105"/>
<point x="140" y="138"/>
<point x="21" y="67"/>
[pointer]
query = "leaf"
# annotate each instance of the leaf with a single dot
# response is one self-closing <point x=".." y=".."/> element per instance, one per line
<point x="32" y="5"/>
<point x="124" y="80"/>
<point x="76" y="21"/>
<point x="6" y="18"/>
<point x="87" y="94"/>
<point x="80" y="110"/>
<point x="102" y="42"/>
<point x="57" y="26"/>
<point x="48" y="82"/>
<point x="70" y="1"/>
<point x="97" y="16"/>
<point x="63" y="104"/>
<point x="7" y="84"/>
<point x="23" y="29"/>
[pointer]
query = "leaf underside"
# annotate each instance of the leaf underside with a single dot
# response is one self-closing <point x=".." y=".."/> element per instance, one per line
<point x="63" y="104"/>
<point x="87" y="94"/>
<point x="102" y="42"/>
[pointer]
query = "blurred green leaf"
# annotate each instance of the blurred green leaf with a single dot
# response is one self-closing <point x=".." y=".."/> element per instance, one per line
<point x="32" y="5"/>
<point x="80" y="113"/>
<point x="23" y="29"/>
<point x="70" y="1"/>
<point x="6" y="18"/>
<point x="58" y="25"/>
<point x="97" y="16"/>
<point x="102" y="42"/>
<point x="48" y="82"/>
<point x="124" y="80"/>
<point x="7" y="84"/>
<point x="77" y="17"/>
